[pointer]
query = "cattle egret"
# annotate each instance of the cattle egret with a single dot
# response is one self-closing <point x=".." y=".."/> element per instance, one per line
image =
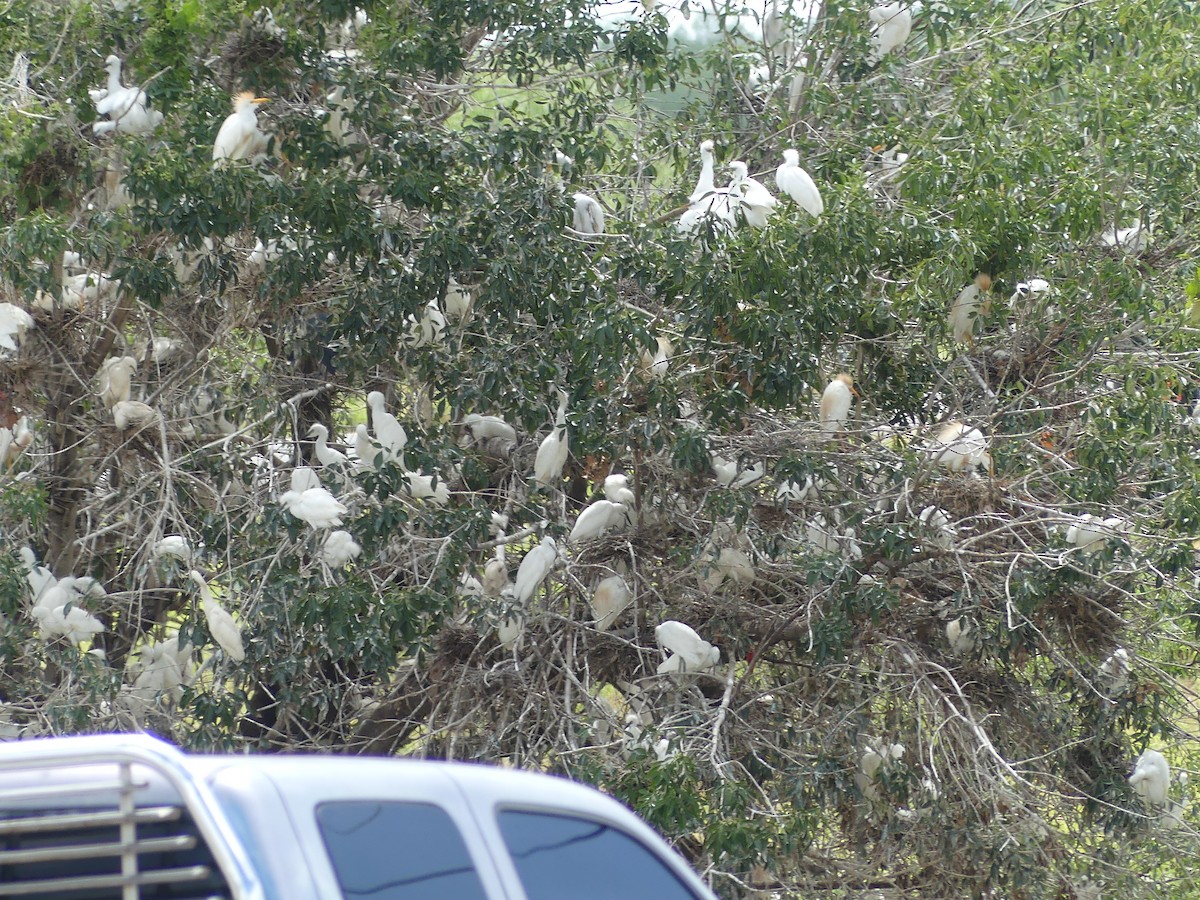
<point x="798" y="184"/>
<point x="729" y="474"/>
<point x="508" y="632"/>
<point x="428" y="487"/>
<point x="610" y="599"/>
<point x="14" y="322"/>
<point x="533" y="569"/>
<point x="1114" y="673"/>
<point x="961" y="635"/>
<point x="937" y="520"/>
<point x="14" y="441"/>
<point x="874" y="758"/>
<point x="1132" y="239"/>
<point x="495" y="575"/>
<point x="704" y="186"/>
<point x="458" y="300"/>
<point x="221" y="626"/>
<point x="718" y="207"/>
<point x="616" y="489"/>
<point x="388" y="431"/>
<point x="1150" y="778"/>
<point x="39" y="578"/>
<point x="688" y="651"/>
<point x="794" y="492"/>
<point x="835" y="403"/>
<point x="427" y="330"/>
<point x="133" y="414"/>
<point x="732" y="564"/>
<point x="891" y="24"/>
<point x="654" y="365"/>
<point x="325" y="454"/>
<point x="115" y="375"/>
<point x="127" y="108"/>
<point x="490" y="428"/>
<point x="173" y="546"/>
<point x="340" y="549"/>
<point x="314" y="505"/>
<point x="164" y="667"/>
<point x="967" y="307"/>
<point x="239" y="136"/>
<point x="597" y="518"/>
<point x="961" y="448"/>
<point x="555" y="448"/>
<point x="74" y="623"/>
<point x="366" y="449"/>
<point x="1091" y="532"/>
<point x="1026" y="289"/>
<point x="756" y="202"/>
<point x="588" y="215"/>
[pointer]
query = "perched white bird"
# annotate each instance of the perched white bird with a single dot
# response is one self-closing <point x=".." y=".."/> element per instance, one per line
<point x="508" y="632"/>
<point x="718" y="207"/>
<point x="14" y="322"/>
<point x="688" y="651"/>
<point x="427" y="330"/>
<point x="14" y="441"/>
<point x="533" y="569"/>
<point x="596" y="519"/>
<point x="553" y="451"/>
<point x="326" y="455"/>
<point x="314" y="505"/>
<point x="960" y="448"/>
<point x="967" y="307"/>
<point x="1026" y="289"/>
<point x="490" y="428"/>
<point x="793" y="492"/>
<point x="133" y="414"/>
<point x="39" y="578"/>
<point x="1132" y="239"/>
<point x="366" y="449"/>
<point x="428" y="487"/>
<point x="611" y="598"/>
<point x="798" y="184"/>
<point x="239" y="136"/>
<point x="173" y="546"/>
<point x="221" y="626"/>
<point x="388" y="431"/>
<point x="340" y="549"/>
<point x="495" y="575"/>
<point x="164" y="667"/>
<point x="654" y="365"/>
<point x="1091" y="532"/>
<point x="1150" y="778"/>
<point x="755" y="201"/>
<point x="127" y="108"/>
<point x="937" y="520"/>
<point x="588" y="215"/>
<point x="835" y="403"/>
<point x="874" y="757"/>
<point x="89" y="289"/>
<point x="457" y="300"/>
<point x="115" y="376"/>
<point x="961" y="635"/>
<point x="732" y="564"/>
<point x="1113" y="673"/>
<point x="70" y="620"/>
<point x="616" y="489"/>
<point x="704" y="186"/>
<point x="891" y="24"/>
<point x="729" y="474"/>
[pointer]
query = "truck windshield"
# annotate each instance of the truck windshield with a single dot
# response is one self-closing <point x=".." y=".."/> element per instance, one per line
<point x="397" y="851"/>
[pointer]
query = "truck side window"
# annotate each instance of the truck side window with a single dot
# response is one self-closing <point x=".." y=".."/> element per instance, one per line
<point x="563" y="856"/>
<point x="397" y="851"/>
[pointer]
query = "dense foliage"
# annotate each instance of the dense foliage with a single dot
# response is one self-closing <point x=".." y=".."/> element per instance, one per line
<point x="928" y="685"/>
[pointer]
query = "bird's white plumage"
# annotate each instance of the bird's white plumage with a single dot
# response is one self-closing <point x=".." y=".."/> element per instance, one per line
<point x="126" y="108"/>
<point x="221" y="625"/>
<point x="729" y="474"/>
<point x="389" y="433"/>
<point x="457" y="301"/>
<point x="611" y="597"/>
<point x="596" y="519"/>
<point x="798" y="184"/>
<point x="365" y="448"/>
<point x="616" y="489"/>
<point x="1091" y="532"/>
<point x="490" y="428"/>
<point x="173" y="546"/>
<point x="689" y="652"/>
<point x="14" y="322"/>
<point x="961" y="635"/>
<point x="133" y="414"/>
<point x="326" y="455"/>
<point x="588" y="215"/>
<point x="427" y="330"/>
<point x="753" y="199"/>
<point x="654" y="365"/>
<point x="704" y="186"/>
<point x="339" y="549"/>
<point x="116" y="374"/>
<point x="163" y="668"/>
<point x="965" y="310"/>
<point x="239" y="136"/>
<point x="555" y="448"/>
<point x="428" y="487"/>
<point x="891" y="24"/>
<point x="1151" y="777"/>
<point x="533" y="569"/>
<point x="835" y="403"/>
<point x="937" y="521"/>
<point x="960" y="448"/>
<point x="314" y="505"/>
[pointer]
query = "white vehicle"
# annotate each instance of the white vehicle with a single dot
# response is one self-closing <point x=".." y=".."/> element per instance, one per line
<point x="131" y="817"/>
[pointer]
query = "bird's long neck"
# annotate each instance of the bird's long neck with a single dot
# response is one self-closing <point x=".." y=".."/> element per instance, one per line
<point x="114" y="80"/>
<point x="706" y="174"/>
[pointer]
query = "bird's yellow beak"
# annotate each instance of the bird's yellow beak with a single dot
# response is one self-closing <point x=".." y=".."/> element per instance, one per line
<point x="261" y="100"/>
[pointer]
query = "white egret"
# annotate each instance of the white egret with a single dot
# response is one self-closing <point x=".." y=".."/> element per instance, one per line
<point x="611" y="598"/>
<point x="704" y="186"/>
<point x="490" y="428"/>
<point x="427" y="330"/>
<point x="718" y="207"/>
<point x="14" y="441"/>
<point x="1113" y="673"/>
<point x="1026" y="289"/>
<point x="937" y="520"/>
<point x="508" y="632"/>
<point x="961" y="635"/>
<point x="732" y="564"/>
<point x="303" y="478"/>
<point x="835" y="403"/>
<point x="221" y="626"/>
<point x="457" y="300"/>
<point x="173" y="546"/>
<point x="555" y="448"/>
<point x="960" y="448"/>
<point x="133" y="414"/>
<point x="314" y="505"/>
<point x="729" y="474"/>
<point x="1132" y="239"/>
<point x="39" y="578"/>
<point x="388" y="431"/>
<point x="798" y="184"/>
<point x="654" y="365"/>
<point x="239" y="136"/>
<point x="1150" y="778"/>
<point x="754" y="200"/>
<point x="70" y="620"/>
<point x="688" y="651"/>
<point x="14" y="322"/>
<point x="115" y="375"/>
<point x="89" y="289"/>
<point x="616" y="489"/>
<point x="428" y="487"/>
<point x="596" y="519"/>
<point x="495" y="575"/>
<point x="366" y="449"/>
<point x="127" y="108"/>
<point x="164" y="667"/>
<point x="1091" y="532"/>
<point x="326" y="455"/>
<point x="794" y="492"/>
<point x="533" y="569"/>
<point x="340" y="549"/>
<point x="967" y="308"/>
<point x="891" y="24"/>
<point x="874" y="757"/>
<point x="588" y="215"/>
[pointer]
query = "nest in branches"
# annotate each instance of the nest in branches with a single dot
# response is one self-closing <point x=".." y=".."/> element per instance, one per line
<point x="47" y="178"/>
<point x="251" y="49"/>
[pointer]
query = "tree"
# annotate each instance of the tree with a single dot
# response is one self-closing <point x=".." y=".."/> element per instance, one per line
<point x="933" y="679"/>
